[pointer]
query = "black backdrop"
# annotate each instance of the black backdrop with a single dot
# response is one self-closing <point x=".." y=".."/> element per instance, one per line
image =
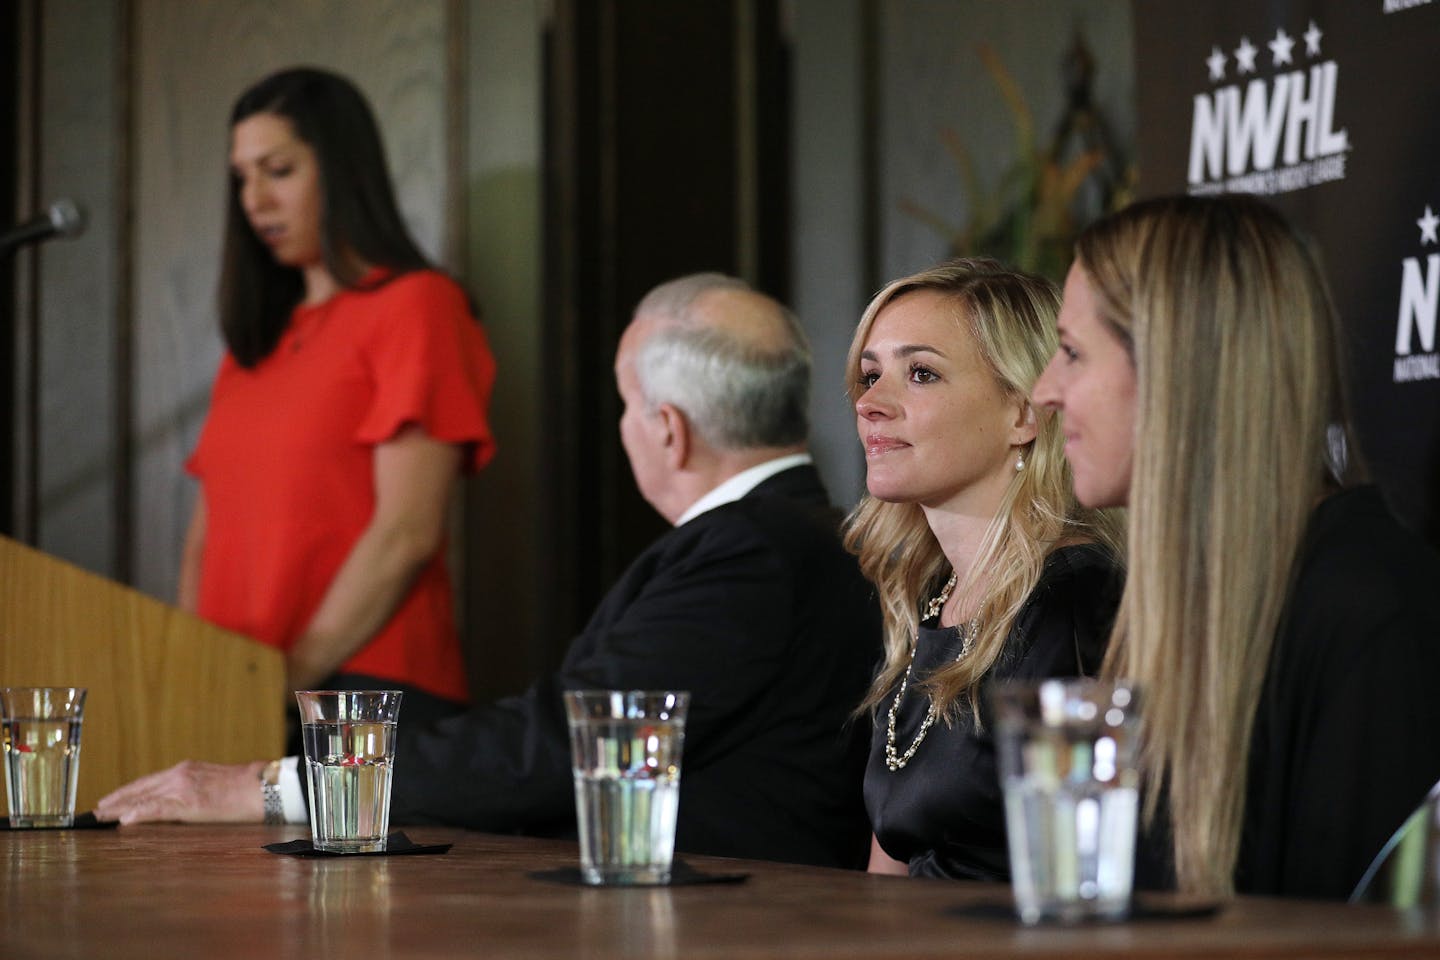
<point x="1331" y="110"/>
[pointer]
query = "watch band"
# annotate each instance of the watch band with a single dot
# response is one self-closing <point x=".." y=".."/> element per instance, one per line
<point x="270" y="792"/>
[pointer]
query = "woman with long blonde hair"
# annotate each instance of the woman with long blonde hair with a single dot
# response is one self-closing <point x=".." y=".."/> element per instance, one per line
<point x="1272" y="617"/>
<point x="985" y="565"/>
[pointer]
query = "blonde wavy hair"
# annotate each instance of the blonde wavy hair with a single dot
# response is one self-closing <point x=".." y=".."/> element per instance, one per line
<point x="1238" y="409"/>
<point x="1011" y="316"/>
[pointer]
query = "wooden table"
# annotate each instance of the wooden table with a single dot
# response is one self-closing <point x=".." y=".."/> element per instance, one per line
<point x="178" y="891"/>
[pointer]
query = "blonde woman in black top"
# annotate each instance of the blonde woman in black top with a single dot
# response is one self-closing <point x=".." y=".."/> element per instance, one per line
<point x="1281" y="624"/>
<point x="985" y="564"/>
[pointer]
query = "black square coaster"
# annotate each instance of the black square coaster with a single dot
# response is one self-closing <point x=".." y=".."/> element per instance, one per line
<point x="396" y="844"/>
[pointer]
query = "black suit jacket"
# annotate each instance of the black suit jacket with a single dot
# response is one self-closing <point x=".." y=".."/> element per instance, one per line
<point x="756" y="609"/>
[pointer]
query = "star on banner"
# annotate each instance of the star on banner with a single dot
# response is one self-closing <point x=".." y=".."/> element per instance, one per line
<point x="1281" y="46"/>
<point x="1216" y="62"/>
<point x="1312" y="40"/>
<point x="1245" y="56"/>
<point x="1427" y="226"/>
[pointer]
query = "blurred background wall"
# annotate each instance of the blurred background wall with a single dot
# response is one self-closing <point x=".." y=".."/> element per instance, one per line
<point x="560" y="157"/>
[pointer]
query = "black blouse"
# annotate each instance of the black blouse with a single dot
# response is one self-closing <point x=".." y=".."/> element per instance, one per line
<point x="942" y="813"/>
<point x="1347" y="734"/>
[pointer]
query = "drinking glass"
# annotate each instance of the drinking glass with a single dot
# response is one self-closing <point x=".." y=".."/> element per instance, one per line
<point x="1067" y="751"/>
<point x="625" y="751"/>
<point x="349" y="738"/>
<point x="41" y="732"/>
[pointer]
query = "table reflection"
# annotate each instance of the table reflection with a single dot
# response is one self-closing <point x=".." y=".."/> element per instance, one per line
<point x="349" y="897"/>
<point x="636" y="922"/>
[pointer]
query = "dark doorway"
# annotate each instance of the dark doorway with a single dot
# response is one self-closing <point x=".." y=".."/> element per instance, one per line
<point x="666" y="139"/>
<point x="9" y="160"/>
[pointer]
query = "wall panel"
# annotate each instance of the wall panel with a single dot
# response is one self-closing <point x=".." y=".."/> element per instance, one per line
<point x="501" y="588"/>
<point x="75" y="385"/>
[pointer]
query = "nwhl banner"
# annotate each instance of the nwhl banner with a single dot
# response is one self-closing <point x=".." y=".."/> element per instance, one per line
<point x="1328" y="110"/>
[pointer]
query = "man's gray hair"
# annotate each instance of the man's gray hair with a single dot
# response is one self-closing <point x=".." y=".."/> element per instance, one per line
<point x="737" y="393"/>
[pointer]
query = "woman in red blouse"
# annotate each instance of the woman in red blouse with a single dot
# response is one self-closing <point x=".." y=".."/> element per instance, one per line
<point x="354" y="390"/>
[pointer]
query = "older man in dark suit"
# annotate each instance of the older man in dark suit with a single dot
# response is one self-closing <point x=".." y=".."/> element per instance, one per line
<point x="750" y="603"/>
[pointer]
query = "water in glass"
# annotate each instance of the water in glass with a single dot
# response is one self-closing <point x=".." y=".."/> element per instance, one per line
<point x="42" y="766"/>
<point x="349" y="765"/>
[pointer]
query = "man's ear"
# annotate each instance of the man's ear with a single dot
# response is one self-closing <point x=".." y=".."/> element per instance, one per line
<point x="1024" y="429"/>
<point x="676" y="438"/>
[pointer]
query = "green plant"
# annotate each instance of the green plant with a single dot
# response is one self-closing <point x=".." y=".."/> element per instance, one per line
<point x="1029" y="218"/>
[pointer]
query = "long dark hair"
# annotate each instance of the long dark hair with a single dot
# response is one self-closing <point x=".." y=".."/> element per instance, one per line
<point x="360" y="225"/>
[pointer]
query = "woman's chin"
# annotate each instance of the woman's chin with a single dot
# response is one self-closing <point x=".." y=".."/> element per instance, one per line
<point x="1098" y="497"/>
<point x="889" y="493"/>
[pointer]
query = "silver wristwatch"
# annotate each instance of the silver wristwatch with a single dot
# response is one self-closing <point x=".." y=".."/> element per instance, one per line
<point x="270" y="792"/>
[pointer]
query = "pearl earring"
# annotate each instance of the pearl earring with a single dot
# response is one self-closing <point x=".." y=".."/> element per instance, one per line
<point x="1019" y="462"/>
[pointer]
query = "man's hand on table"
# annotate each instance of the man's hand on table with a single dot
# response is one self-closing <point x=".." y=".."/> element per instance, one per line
<point x="190" y="792"/>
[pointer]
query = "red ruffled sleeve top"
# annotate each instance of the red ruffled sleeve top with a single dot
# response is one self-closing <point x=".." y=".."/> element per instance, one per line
<point x="285" y="461"/>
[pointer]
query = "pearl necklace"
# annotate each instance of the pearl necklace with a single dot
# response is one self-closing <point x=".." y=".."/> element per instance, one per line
<point x="894" y="760"/>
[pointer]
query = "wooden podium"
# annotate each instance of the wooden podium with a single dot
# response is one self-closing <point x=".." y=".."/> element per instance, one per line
<point x="163" y="685"/>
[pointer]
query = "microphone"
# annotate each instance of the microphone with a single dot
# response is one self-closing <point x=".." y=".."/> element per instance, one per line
<point x="63" y="218"/>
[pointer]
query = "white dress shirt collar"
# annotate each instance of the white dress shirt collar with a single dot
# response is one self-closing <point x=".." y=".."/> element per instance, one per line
<point x="741" y="484"/>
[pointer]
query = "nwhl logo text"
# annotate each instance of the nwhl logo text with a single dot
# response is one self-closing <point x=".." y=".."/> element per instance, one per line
<point x="1270" y="135"/>
<point x="1419" y="304"/>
